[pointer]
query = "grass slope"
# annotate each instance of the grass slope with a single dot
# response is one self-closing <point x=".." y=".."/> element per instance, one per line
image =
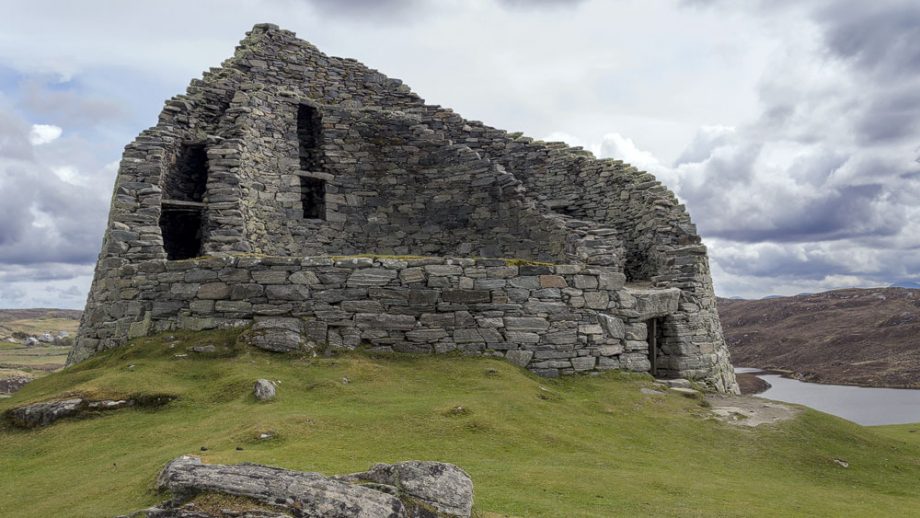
<point x="579" y="446"/>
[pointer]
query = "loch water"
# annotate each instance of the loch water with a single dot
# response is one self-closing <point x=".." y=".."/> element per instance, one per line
<point x="863" y="405"/>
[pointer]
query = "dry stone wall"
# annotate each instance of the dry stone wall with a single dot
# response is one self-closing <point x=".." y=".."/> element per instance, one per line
<point x="386" y="174"/>
<point x="552" y="319"/>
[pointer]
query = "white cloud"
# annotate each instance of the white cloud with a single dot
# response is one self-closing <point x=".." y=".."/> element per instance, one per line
<point x="44" y="134"/>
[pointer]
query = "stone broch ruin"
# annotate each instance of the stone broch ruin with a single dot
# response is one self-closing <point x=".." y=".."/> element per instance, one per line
<point x="329" y="207"/>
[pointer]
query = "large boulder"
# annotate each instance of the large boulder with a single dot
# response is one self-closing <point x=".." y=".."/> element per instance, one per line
<point x="411" y="489"/>
<point x="445" y="487"/>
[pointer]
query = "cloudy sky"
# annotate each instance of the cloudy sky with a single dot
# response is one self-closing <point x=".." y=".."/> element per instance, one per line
<point x="791" y="129"/>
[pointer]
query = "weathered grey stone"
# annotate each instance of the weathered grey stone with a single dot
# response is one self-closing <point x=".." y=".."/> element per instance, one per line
<point x="445" y="487"/>
<point x="270" y="276"/>
<point x="596" y="299"/>
<point x="426" y="335"/>
<point x="362" y="306"/>
<point x="614" y="326"/>
<point x="465" y="336"/>
<point x="304" y="277"/>
<point x="311" y="493"/>
<point x="583" y="363"/>
<point x="585" y="282"/>
<point x="402" y="490"/>
<point x="233" y="306"/>
<point x="287" y="292"/>
<point x="43" y="414"/>
<point x="277" y="334"/>
<point x="529" y="324"/>
<point x="370" y="277"/>
<point x="264" y="390"/>
<point x="553" y="281"/>
<point x="519" y="337"/>
<point x="466" y="296"/>
<point x="411" y="275"/>
<point x="385" y="321"/>
<point x="651" y="303"/>
<point x="519" y="357"/>
<point x="423" y="297"/>
<point x="441" y="270"/>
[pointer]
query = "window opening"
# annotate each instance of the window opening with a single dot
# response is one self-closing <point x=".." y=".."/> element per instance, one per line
<point x="313" y="197"/>
<point x="181" y="229"/>
<point x="309" y="137"/>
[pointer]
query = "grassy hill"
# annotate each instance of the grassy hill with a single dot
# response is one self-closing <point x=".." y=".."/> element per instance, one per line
<point x="854" y="337"/>
<point x="578" y="446"/>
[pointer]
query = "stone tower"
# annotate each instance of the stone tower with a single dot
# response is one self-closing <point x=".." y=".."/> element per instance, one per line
<point x="327" y="205"/>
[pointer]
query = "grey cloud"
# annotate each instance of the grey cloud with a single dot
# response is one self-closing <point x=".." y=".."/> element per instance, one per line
<point x="42" y="272"/>
<point x="68" y="107"/>
<point x="837" y="188"/>
<point x="358" y="9"/>
<point x="878" y="36"/>
<point x="538" y="4"/>
<point x="894" y="114"/>
<point x="14" y="138"/>
<point x="42" y="218"/>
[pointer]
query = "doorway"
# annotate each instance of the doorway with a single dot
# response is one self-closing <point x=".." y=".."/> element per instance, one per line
<point x="654" y="337"/>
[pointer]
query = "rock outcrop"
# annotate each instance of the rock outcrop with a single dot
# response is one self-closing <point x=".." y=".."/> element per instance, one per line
<point x="36" y="415"/>
<point x="412" y="489"/>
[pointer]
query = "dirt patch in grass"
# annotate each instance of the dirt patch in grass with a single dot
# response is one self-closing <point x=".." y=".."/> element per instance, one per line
<point x="749" y="411"/>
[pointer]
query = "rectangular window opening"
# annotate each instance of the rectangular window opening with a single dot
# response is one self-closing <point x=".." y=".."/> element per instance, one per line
<point x="181" y="233"/>
<point x="188" y="180"/>
<point x="313" y="197"/>
<point x="309" y="137"/>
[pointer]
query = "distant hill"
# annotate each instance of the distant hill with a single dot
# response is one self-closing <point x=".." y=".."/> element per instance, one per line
<point x="856" y="336"/>
<point x="38" y="313"/>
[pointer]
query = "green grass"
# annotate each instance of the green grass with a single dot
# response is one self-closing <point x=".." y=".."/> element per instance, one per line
<point x="578" y="446"/>
<point x="904" y="432"/>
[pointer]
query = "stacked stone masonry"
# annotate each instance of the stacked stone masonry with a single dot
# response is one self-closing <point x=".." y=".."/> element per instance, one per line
<point x="229" y="209"/>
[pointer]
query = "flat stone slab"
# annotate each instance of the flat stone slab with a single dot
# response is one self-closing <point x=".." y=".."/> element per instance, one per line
<point x="749" y="411"/>
<point x="411" y="489"/>
<point x="46" y="413"/>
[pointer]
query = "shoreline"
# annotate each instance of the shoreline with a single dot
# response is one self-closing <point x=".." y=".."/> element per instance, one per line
<point x="793" y="375"/>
